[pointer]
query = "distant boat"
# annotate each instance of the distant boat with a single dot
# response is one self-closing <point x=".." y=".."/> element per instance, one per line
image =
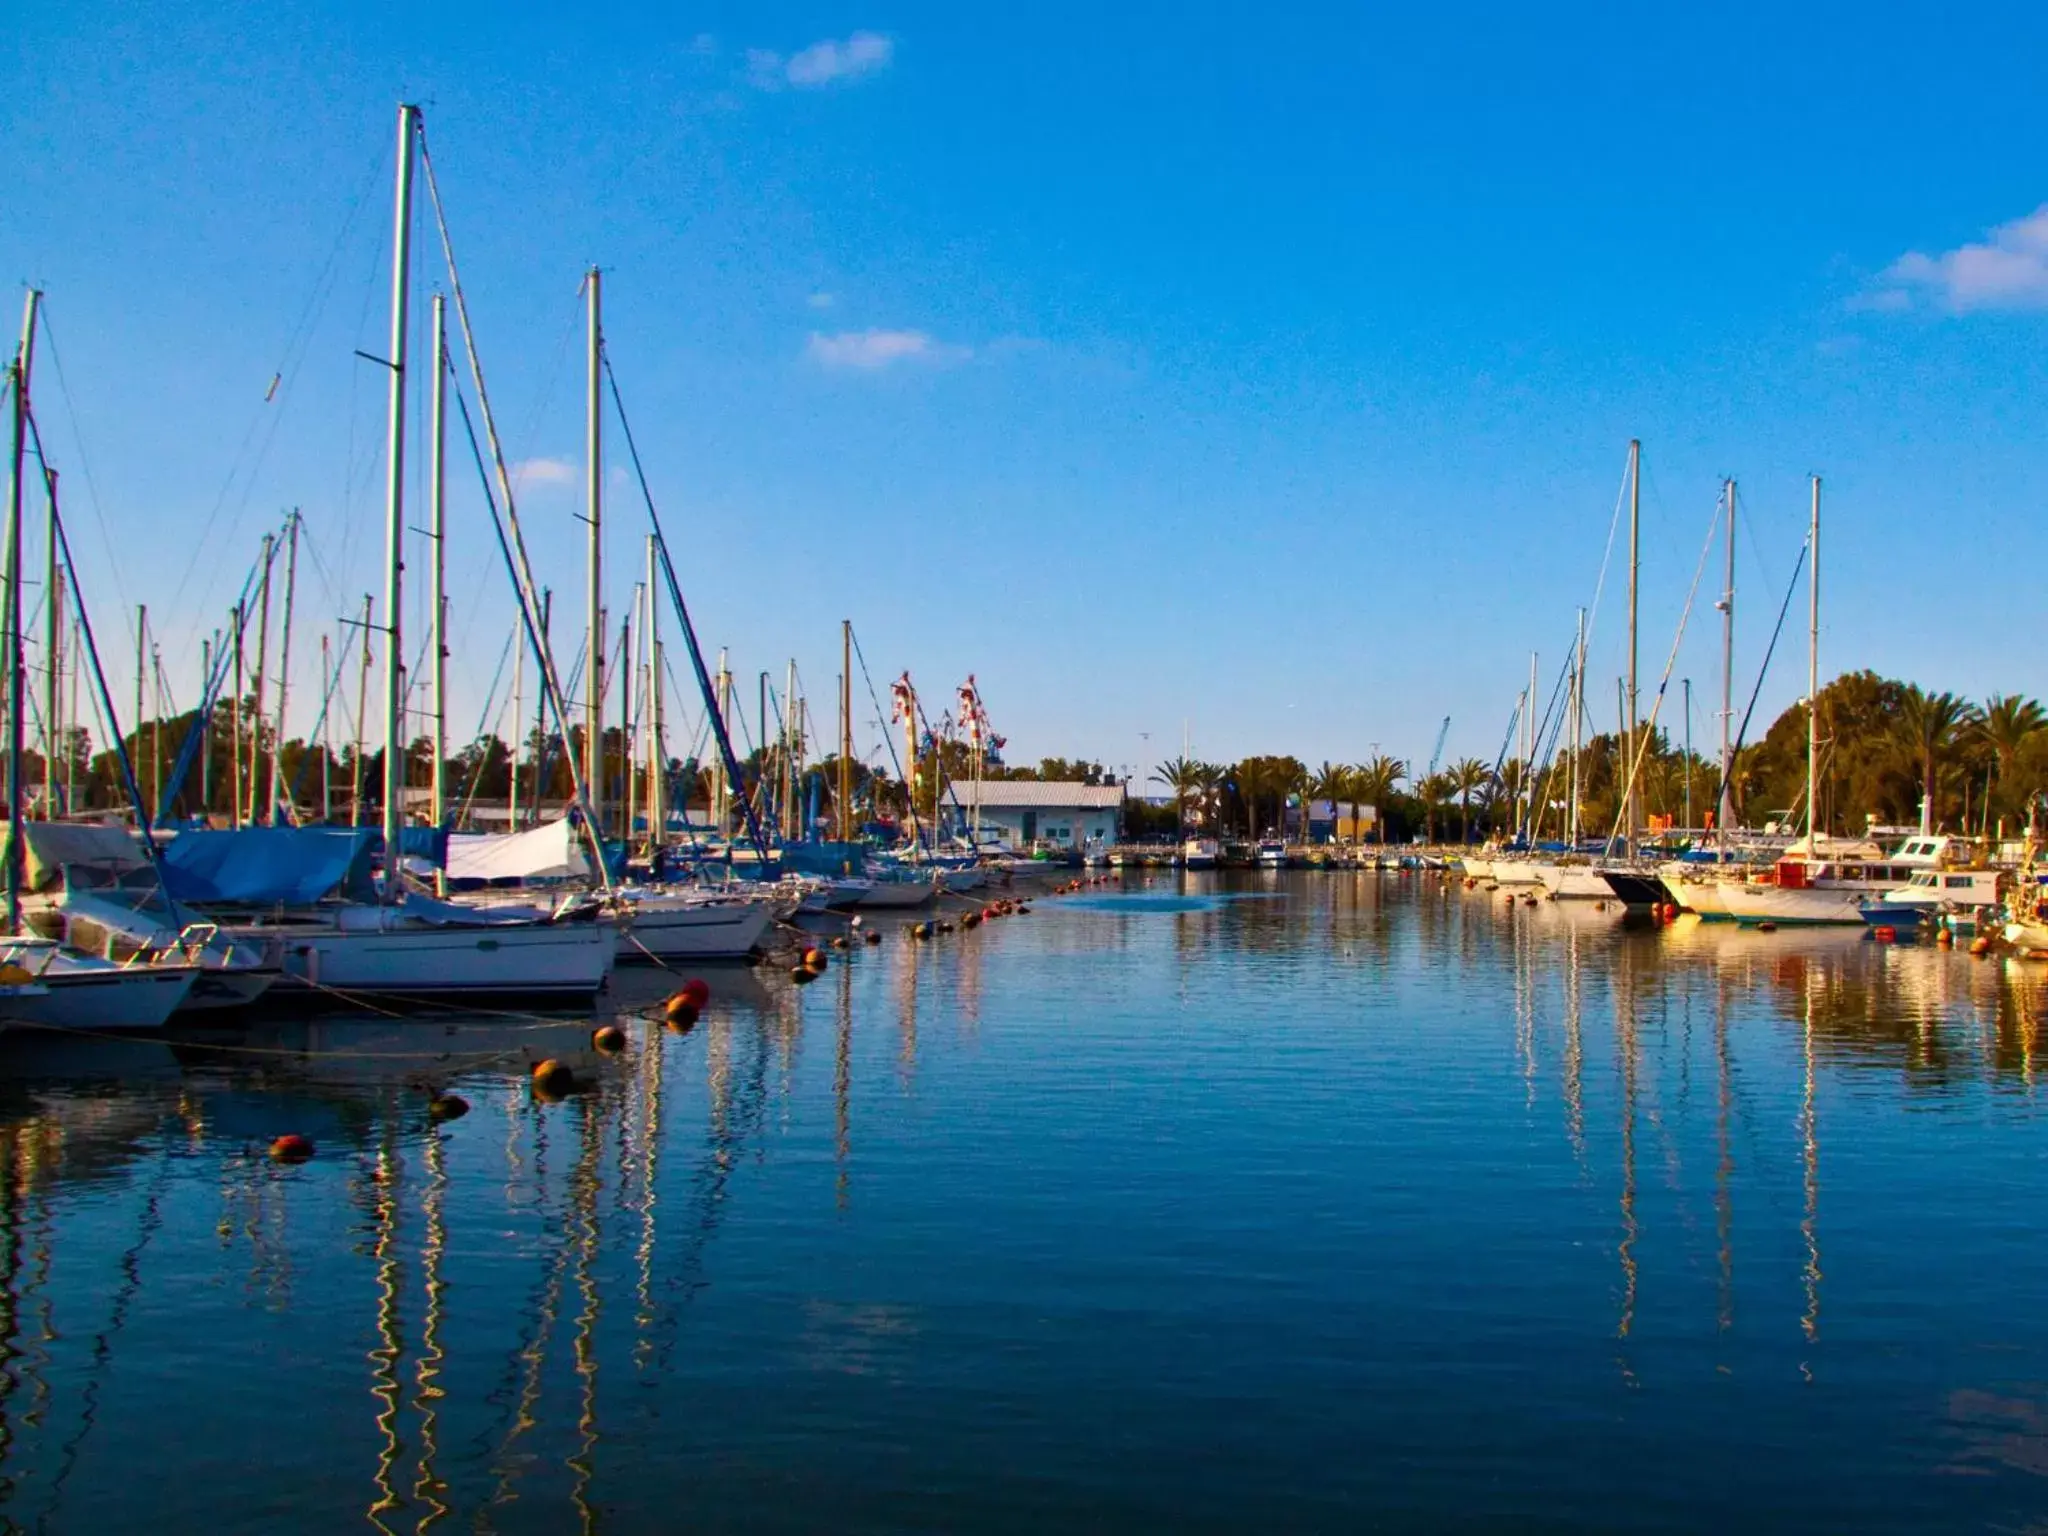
<point x="1200" y="852"/>
<point x="1272" y="853"/>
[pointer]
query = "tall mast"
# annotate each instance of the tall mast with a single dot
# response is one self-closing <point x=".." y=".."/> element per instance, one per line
<point x="1813" y="669"/>
<point x="540" y="706"/>
<point x="657" y="764"/>
<point x="1578" y="721"/>
<point x="284" y="662"/>
<point x="792" y="738"/>
<point x="53" y="647"/>
<point x="1635" y="531"/>
<point x="326" y="733"/>
<point x="518" y="722"/>
<point x="593" y="491"/>
<point x="142" y="672"/>
<point x="256" y="775"/>
<point x="1688" y="753"/>
<point x="394" y="509"/>
<point x="722" y="790"/>
<point x="437" y="544"/>
<point x="355" y="812"/>
<point x="1529" y="779"/>
<point x="623" y="670"/>
<point x="845" y="797"/>
<point x="17" y="691"/>
<point x="1724" y="810"/>
<point x="208" y="649"/>
<point x="240" y="616"/>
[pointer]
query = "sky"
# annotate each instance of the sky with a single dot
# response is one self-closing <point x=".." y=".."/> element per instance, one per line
<point x="1259" y="377"/>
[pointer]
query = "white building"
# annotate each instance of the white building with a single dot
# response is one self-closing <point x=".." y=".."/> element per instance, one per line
<point x="1022" y="812"/>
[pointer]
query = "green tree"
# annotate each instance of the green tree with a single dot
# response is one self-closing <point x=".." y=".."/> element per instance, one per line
<point x="1375" y="783"/>
<point x="1929" y="726"/>
<point x="1469" y="776"/>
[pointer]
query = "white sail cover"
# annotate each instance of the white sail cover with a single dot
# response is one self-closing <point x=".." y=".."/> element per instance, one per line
<point x="550" y="852"/>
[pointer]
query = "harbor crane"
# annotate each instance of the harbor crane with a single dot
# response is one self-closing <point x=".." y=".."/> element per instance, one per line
<point x="1437" y="752"/>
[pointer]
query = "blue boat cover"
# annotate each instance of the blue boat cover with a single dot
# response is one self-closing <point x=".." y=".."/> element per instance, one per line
<point x="265" y="865"/>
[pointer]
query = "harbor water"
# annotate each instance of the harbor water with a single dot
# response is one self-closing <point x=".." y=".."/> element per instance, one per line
<point x="1261" y="1201"/>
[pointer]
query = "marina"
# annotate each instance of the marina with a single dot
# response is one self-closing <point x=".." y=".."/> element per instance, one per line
<point x="952" y="1236"/>
<point x="971" y="776"/>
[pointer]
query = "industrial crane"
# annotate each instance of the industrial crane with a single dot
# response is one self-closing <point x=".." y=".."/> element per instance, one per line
<point x="1437" y="752"/>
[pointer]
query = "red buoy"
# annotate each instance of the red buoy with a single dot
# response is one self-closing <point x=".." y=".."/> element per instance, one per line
<point x="698" y="990"/>
<point x="290" y="1149"/>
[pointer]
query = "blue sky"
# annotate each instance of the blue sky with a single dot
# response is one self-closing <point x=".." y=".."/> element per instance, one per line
<point x="1269" y="370"/>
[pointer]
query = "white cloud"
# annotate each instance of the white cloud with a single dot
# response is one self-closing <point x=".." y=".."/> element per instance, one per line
<point x="870" y="350"/>
<point x="2006" y="270"/>
<point x="823" y="63"/>
<point x="546" y="472"/>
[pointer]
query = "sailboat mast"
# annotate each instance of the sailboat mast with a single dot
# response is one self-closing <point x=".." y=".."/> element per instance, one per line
<point x="394" y="507"/>
<point x="16" y="684"/>
<point x="1813" y="669"/>
<point x="1724" y="811"/>
<point x="355" y="814"/>
<point x="284" y="661"/>
<point x="1578" y="721"/>
<point x="593" y="492"/>
<point x="657" y="766"/>
<point x="141" y="672"/>
<point x="326" y="733"/>
<point x="256" y="776"/>
<point x="53" y="647"/>
<point x="846" y="730"/>
<point x="629" y="682"/>
<point x="792" y="737"/>
<point x="437" y="544"/>
<point x="1635" y="531"/>
<point x="1529" y="779"/>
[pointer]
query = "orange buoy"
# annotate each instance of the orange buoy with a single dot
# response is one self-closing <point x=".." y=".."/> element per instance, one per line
<point x="1022" y="909"/>
<point x="290" y="1149"/>
<point x="682" y="1005"/>
<point x="971" y="920"/>
<point x="1981" y="945"/>
<point x="1766" y="927"/>
<point x="803" y="973"/>
<point x="446" y="1106"/>
<point x="1884" y="933"/>
<point x="871" y="937"/>
<point x="552" y="1077"/>
<point x="1943" y="937"/>
<point x="609" y="1039"/>
<point x="840" y="942"/>
<point x="814" y="959"/>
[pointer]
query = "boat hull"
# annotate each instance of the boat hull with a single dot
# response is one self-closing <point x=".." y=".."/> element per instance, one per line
<point x="120" y="997"/>
<point x="554" y="961"/>
<point x="1632" y="889"/>
<point x="723" y="931"/>
<point x="1754" y="902"/>
<point x="896" y="894"/>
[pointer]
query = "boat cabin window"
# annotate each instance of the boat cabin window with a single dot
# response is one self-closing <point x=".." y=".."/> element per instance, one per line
<point x="1958" y="882"/>
<point x="1923" y="877"/>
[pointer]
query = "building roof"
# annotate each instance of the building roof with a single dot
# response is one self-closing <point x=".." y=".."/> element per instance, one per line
<point x="1034" y="795"/>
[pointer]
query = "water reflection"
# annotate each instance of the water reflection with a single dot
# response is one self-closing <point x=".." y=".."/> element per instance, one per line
<point x="1106" y="1155"/>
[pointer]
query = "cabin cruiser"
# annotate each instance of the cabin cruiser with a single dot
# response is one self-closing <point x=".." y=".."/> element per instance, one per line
<point x="1831" y="883"/>
<point x="1967" y="894"/>
<point x="1200" y="853"/>
<point x="1272" y="853"/>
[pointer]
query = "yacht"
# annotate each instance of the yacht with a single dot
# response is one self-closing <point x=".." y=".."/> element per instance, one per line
<point x="1200" y="853"/>
<point x="1272" y="853"/>
<point x="1831" y="884"/>
<point x="43" y="984"/>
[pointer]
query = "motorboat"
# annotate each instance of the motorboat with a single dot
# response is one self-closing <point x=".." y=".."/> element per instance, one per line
<point x="1931" y="893"/>
<point x="46" y="985"/>
<point x="1831" y="884"/>
<point x="1200" y="853"/>
<point x="1272" y="853"/>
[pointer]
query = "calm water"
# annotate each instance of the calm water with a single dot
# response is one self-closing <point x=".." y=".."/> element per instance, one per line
<point x="1307" y="1201"/>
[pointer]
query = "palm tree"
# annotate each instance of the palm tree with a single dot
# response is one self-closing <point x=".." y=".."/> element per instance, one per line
<point x="1928" y="726"/>
<point x="1374" y="783"/>
<point x="1434" y="791"/>
<point x="1250" y="778"/>
<point x="1209" y="781"/>
<point x="1469" y="776"/>
<point x="2008" y="723"/>
<point x="1181" y="775"/>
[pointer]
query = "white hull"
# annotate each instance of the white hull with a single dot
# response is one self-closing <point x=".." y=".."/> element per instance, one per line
<point x="119" y="997"/>
<point x="566" y="960"/>
<point x="1476" y="868"/>
<point x="1572" y="882"/>
<point x="1518" y="872"/>
<point x="1756" y="903"/>
<point x="706" y="931"/>
<point x="896" y="893"/>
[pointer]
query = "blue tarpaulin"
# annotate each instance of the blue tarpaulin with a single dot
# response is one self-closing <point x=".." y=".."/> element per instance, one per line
<point x="823" y="858"/>
<point x="264" y="865"/>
